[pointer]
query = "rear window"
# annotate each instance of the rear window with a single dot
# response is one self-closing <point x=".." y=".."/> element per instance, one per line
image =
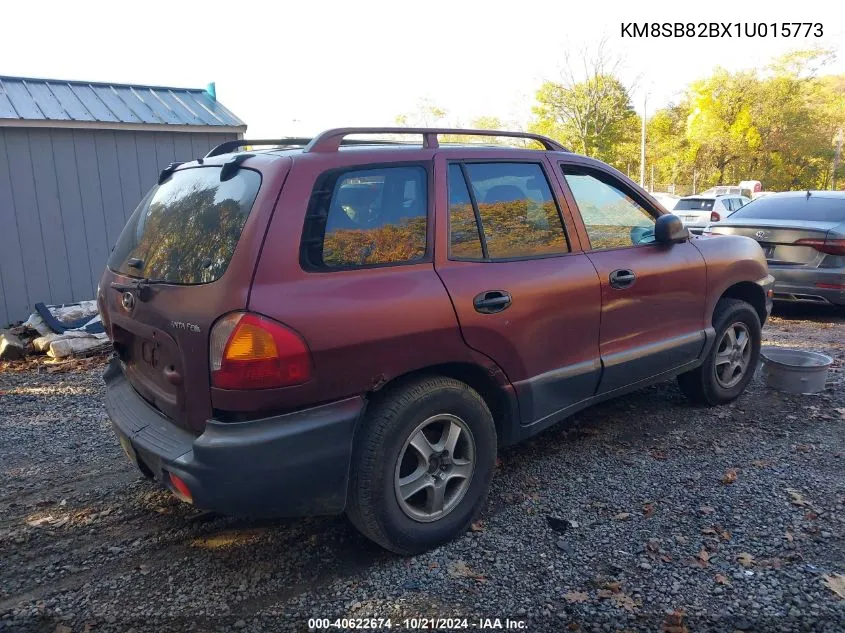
<point x="186" y="229"/>
<point x="812" y="209"/>
<point x="694" y="204"/>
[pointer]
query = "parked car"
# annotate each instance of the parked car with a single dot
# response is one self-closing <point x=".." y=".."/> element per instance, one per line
<point x="803" y="236"/>
<point x="668" y="200"/>
<point x="696" y="212"/>
<point x="322" y="326"/>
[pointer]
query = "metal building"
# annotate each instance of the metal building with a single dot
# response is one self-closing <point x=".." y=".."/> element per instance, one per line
<point x="75" y="159"/>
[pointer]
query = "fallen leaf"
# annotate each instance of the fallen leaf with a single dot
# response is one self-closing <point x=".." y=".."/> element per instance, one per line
<point x="804" y="448"/>
<point x="796" y="498"/>
<point x="709" y="530"/>
<point x="841" y="412"/>
<point x="704" y="557"/>
<point x="648" y="509"/>
<point x="478" y="526"/>
<point x="624" y="601"/>
<point x="614" y="585"/>
<point x="730" y="476"/>
<point x="721" y="579"/>
<point x="433" y="565"/>
<point x="810" y="516"/>
<point x="666" y="558"/>
<point x="773" y="563"/>
<point x="622" y="516"/>
<point x="745" y="559"/>
<point x="674" y="622"/>
<point x="576" y="597"/>
<point x="726" y="536"/>
<point x="761" y="463"/>
<point x="604" y="594"/>
<point x="707" y="509"/>
<point x="573" y="626"/>
<point x="657" y="454"/>
<point x="61" y="628"/>
<point x="789" y="536"/>
<point x="836" y="583"/>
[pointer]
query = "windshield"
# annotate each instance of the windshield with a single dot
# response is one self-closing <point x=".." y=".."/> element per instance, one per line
<point x="812" y="209"/>
<point x="185" y="230"/>
<point x="694" y="204"/>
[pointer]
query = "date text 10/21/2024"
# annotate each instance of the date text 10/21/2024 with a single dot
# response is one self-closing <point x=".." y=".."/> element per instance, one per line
<point x="421" y="623"/>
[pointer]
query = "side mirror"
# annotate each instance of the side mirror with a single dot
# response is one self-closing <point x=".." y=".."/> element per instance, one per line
<point x="670" y="230"/>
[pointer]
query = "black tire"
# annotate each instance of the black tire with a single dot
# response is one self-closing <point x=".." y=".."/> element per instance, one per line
<point x="701" y="385"/>
<point x="373" y="506"/>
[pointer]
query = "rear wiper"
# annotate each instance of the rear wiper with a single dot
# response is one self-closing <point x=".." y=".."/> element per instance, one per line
<point x="142" y="285"/>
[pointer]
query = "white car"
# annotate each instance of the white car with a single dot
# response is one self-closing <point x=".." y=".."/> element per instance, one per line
<point x="668" y="200"/>
<point x="698" y="211"/>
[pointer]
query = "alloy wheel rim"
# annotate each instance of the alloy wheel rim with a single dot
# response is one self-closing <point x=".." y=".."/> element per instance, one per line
<point x="434" y="468"/>
<point x="733" y="355"/>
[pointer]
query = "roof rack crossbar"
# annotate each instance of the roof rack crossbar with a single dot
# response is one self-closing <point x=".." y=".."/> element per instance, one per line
<point x="331" y="140"/>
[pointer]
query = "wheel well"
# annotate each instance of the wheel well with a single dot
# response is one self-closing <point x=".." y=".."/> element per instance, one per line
<point x="476" y="377"/>
<point x="751" y="293"/>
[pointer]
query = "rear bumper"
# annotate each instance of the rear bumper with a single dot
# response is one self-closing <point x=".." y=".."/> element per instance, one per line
<point x="295" y="464"/>
<point x="800" y="285"/>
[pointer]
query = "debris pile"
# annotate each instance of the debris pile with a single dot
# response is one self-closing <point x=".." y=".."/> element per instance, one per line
<point x="58" y="331"/>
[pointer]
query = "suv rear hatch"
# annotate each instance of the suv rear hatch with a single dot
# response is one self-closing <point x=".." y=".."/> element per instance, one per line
<point x="185" y="257"/>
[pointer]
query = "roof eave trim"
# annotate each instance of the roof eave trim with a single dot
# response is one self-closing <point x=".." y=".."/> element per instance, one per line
<point x="137" y="127"/>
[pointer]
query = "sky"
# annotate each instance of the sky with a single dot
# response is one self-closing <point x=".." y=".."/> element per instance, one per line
<point x="295" y="68"/>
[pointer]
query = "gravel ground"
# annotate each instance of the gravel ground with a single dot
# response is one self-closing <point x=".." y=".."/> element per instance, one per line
<point x="648" y="515"/>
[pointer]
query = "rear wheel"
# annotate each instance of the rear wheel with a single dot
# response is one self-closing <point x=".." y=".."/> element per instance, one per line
<point x="731" y="361"/>
<point x="422" y="465"/>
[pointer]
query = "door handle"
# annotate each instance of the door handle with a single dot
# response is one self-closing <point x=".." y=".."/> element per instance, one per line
<point x="491" y="301"/>
<point x="622" y="278"/>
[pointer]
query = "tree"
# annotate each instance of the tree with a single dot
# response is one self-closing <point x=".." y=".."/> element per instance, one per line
<point x="590" y="111"/>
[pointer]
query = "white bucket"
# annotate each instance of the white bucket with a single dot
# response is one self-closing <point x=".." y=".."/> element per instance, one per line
<point x="794" y="370"/>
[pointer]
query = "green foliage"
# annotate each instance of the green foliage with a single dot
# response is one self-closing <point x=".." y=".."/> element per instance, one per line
<point x="777" y="124"/>
<point x="593" y="117"/>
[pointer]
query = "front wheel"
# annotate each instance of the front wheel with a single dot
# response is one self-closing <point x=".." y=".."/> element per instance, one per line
<point x="422" y="465"/>
<point x="731" y="361"/>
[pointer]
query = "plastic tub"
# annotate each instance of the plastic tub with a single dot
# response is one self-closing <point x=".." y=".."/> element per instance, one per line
<point x="795" y="370"/>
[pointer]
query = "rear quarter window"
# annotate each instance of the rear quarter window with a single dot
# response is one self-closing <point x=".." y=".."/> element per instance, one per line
<point x="374" y="217"/>
<point x="185" y="230"/>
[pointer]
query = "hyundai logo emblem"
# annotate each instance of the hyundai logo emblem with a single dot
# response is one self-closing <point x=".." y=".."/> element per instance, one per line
<point x="128" y="301"/>
<point x="761" y="234"/>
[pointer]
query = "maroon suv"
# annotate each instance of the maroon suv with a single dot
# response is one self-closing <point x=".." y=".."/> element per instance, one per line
<point x="333" y="325"/>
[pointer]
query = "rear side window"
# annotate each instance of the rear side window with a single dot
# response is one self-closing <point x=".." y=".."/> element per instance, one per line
<point x="374" y="217"/>
<point x="186" y="229"/>
<point x="464" y="239"/>
<point x="514" y="204"/>
<point x="694" y="204"/>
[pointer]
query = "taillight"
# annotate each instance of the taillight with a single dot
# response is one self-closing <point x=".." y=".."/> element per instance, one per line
<point x="248" y="351"/>
<point x="831" y="247"/>
<point x="714" y="216"/>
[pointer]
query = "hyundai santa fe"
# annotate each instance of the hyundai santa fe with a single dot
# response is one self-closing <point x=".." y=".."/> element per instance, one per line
<point x="343" y="324"/>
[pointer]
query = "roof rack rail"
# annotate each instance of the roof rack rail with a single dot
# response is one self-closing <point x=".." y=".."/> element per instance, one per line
<point x="228" y="146"/>
<point x="331" y="140"/>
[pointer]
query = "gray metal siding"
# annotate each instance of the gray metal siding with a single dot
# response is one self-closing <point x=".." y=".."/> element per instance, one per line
<point x="65" y="196"/>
